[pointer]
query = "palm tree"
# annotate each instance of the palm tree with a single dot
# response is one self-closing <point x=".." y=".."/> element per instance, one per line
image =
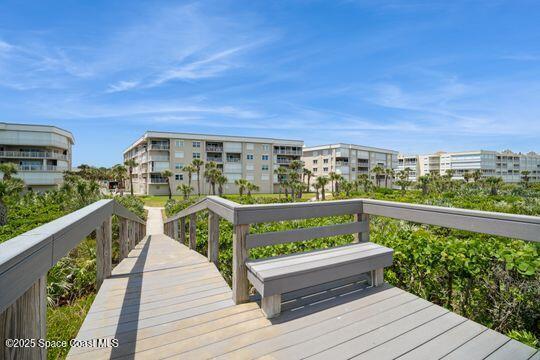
<point x="167" y="175"/>
<point x="131" y="163"/>
<point x="388" y="174"/>
<point x="185" y="189"/>
<point x="8" y="169"/>
<point x="211" y="175"/>
<point x="347" y="186"/>
<point x="306" y="173"/>
<point x="467" y="176"/>
<point x="190" y="169"/>
<point x="251" y="187"/>
<point x="525" y="177"/>
<point x="242" y="185"/>
<point x="403" y="181"/>
<point x="476" y="175"/>
<point x="322" y="181"/>
<point x="378" y="171"/>
<point x="494" y="184"/>
<point x="281" y="173"/>
<point x="423" y="183"/>
<point x="221" y="180"/>
<point x="363" y="180"/>
<point x="332" y="177"/>
<point x="316" y="186"/>
<point x="198" y="163"/>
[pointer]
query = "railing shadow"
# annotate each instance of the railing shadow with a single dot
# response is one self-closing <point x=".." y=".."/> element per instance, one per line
<point x="130" y="307"/>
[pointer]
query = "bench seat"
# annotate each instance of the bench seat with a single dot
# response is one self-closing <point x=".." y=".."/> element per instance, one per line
<point x="275" y="276"/>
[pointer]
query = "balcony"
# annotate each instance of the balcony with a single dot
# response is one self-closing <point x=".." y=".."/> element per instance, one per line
<point x="158" y="180"/>
<point x="288" y="152"/>
<point x="40" y="167"/>
<point x="158" y="158"/>
<point x="342" y="163"/>
<point x="159" y="147"/>
<point x="284" y="161"/>
<point x="33" y="155"/>
<point x="214" y="159"/>
<point x="214" y="148"/>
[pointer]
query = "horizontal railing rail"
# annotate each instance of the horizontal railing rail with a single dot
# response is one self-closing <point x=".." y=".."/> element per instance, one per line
<point x="26" y="259"/>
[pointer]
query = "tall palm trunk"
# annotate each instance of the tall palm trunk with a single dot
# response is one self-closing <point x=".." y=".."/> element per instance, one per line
<point x="198" y="182"/>
<point x="323" y="194"/>
<point x="169" y="186"/>
<point x="131" y="180"/>
<point x="213" y="188"/>
<point x="3" y="213"/>
<point x="308" y="179"/>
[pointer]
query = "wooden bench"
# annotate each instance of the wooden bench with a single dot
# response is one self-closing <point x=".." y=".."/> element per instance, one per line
<point x="275" y="276"/>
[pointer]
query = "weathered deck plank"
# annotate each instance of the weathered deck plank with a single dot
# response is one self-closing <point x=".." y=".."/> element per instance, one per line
<point x="166" y="301"/>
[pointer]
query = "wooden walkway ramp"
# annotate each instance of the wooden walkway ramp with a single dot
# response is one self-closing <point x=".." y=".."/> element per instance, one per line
<point x="166" y="301"/>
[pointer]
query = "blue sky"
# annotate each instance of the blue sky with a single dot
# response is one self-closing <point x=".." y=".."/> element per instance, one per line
<point x="412" y="76"/>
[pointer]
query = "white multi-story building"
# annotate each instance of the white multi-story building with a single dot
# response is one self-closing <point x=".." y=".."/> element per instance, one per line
<point x="348" y="160"/>
<point x="41" y="153"/>
<point x="409" y="162"/>
<point x="250" y="158"/>
<point x="507" y="164"/>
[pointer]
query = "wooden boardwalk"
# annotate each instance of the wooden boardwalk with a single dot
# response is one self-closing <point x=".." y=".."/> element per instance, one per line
<point x="166" y="301"/>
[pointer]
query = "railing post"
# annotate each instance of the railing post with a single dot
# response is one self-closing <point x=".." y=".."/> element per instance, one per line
<point x="103" y="252"/>
<point x="364" y="236"/>
<point x="193" y="231"/>
<point x="26" y="318"/>
<point x="240" y="256"/>
<point x="131" y="231"/>
<point x="123" y="238"/>
<point x="213" y="237"/>
<point x="182" y="230"/>
<point x="175" y="229"/>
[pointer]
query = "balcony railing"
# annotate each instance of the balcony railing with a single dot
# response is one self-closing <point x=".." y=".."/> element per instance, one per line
<point x="159" y="147"/>
<point x="342" y="163"/>
<point x="233" y="160"/>
<point x="287" y="152"/>
<point x="158" y="180"/>
<point x="39" y="168"/>
<point x="33" y="155"/>
<point x="213" y="148"/>
<point x="283" y="161"/>
<point x="215" y="159"/>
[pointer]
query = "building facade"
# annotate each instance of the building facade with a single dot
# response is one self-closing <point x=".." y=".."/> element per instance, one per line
<point x="41" y="153"/>
<point x="348" y="160"/>
<point x="507" y="165"/>
<point x="409" y="162"/>
<point x="250" y="158"/>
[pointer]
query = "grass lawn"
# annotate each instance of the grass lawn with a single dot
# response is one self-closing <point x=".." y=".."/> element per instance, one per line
<point x="160" y="200"/>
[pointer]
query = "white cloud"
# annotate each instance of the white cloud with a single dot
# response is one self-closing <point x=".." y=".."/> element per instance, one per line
<point x="122" y="86"/>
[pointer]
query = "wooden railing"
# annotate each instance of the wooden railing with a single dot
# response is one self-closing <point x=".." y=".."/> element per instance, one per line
<point x="242" y="216"/>
<point x="25" y="260"/>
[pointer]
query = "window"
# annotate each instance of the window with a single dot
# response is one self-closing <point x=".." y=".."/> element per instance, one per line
<point x="178" y="177"/>
<point x="178" y="166"/>
<point x="249" y="156"/>
<point x="315" y="153"/>
<point x="325" y="152"/>
<point x="265" y="168"/>
<point x="315" y="169"/>
<point x="315" y="162"/>
<point x="196" y="144"/>
<point x="325" y="169"/>
<point x="265" y="177"/>
<point x="250" y="177"/>
<point x="249" y="146"/>
<point x="179" y="143"/>
<point x="265" y="157"/>
<point x="196" y="155"/>
<point x="178" y="154"/>
<point x="266" y="147"/>
<point x="325" y="161"/>
<point x="249" y="167"/>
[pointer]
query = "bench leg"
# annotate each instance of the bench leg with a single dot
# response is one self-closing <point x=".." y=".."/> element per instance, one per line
<point x="271" y="305"/>
<point x="376" y="277"/>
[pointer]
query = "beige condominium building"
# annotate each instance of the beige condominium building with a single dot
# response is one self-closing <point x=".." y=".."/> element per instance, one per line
<point x="41" y="153"/>
<point x="348" y="160"/>
<point x="506" y="164"/>
<point x="409" y="162"/>
<point x="250" y="158"/>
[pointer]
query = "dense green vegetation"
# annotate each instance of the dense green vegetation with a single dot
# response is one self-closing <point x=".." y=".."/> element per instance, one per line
<point x="489" y="279"/>
<point x="71" y="282"/>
